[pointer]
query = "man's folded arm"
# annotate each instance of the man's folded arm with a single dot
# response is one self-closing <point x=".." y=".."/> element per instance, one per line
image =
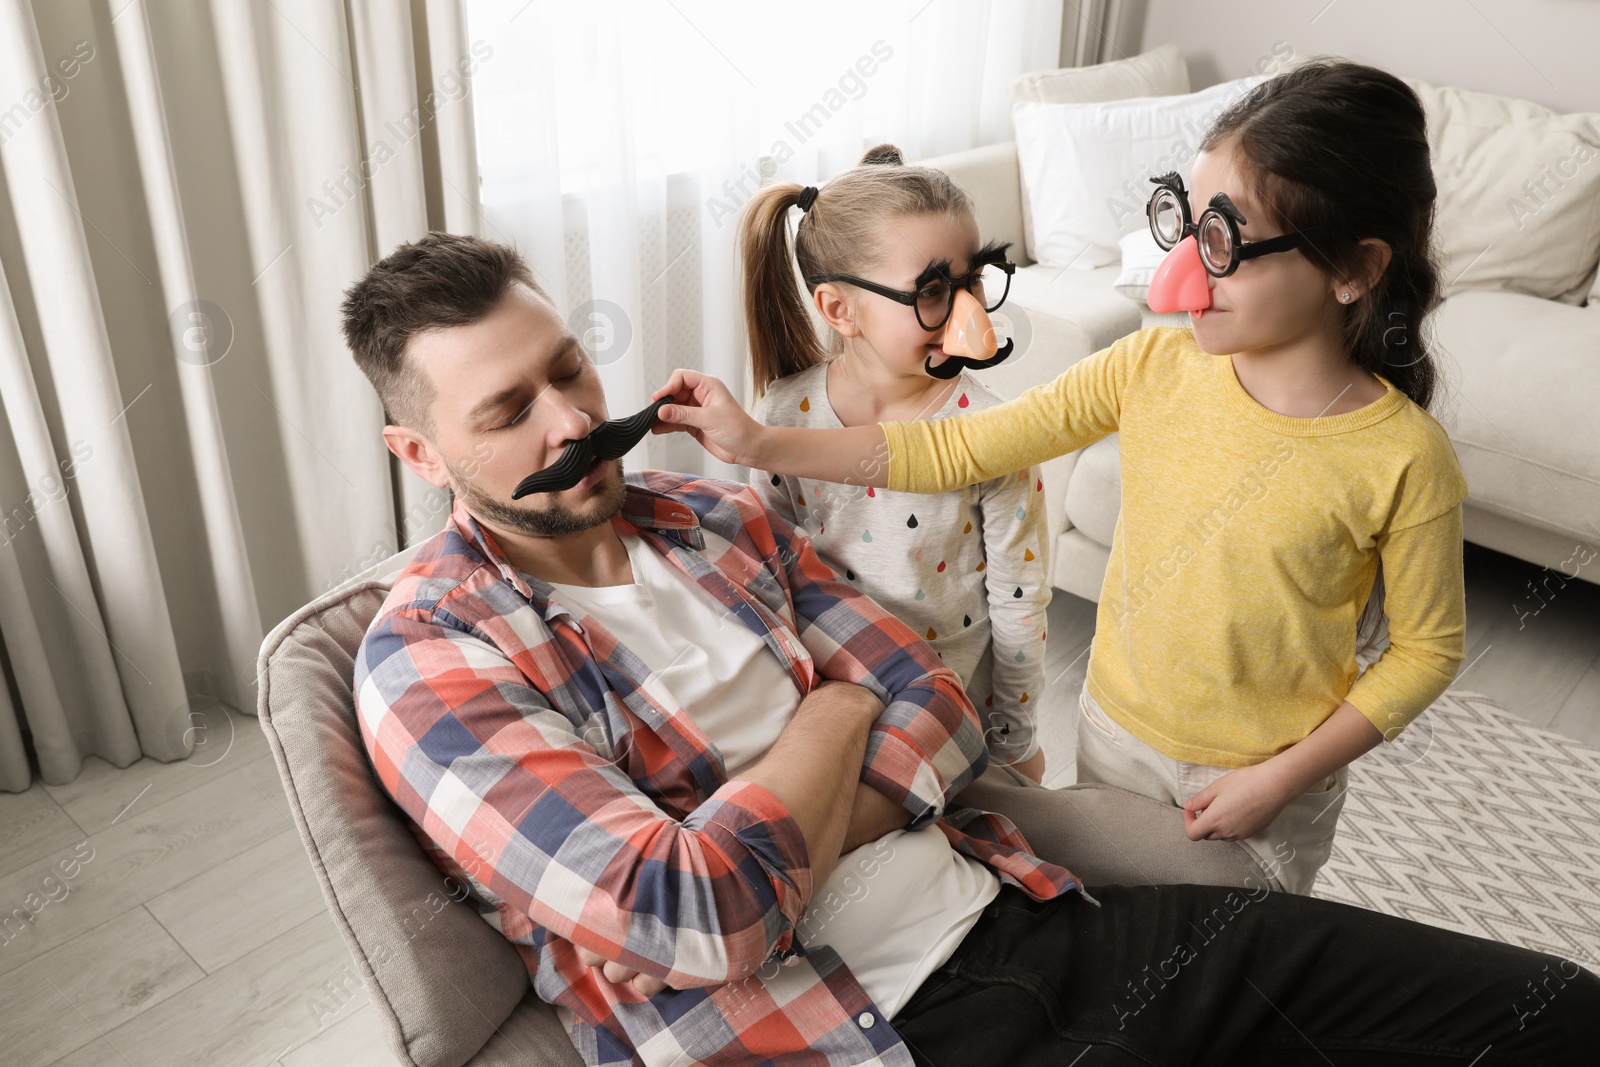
<point x="927" y="745"/>
<point x="508" y="787"/>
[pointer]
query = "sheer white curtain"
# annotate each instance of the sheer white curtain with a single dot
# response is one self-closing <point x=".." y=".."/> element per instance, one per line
<point x="617" y="141"/>
<point x="187" y="451"/>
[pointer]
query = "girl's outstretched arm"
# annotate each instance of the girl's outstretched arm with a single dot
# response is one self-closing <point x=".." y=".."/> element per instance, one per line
<point x="703" y="408"/>
<point x="1080" y="406"/>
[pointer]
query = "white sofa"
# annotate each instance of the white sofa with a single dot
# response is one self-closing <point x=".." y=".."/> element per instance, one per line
<point x="1521" y="395"/>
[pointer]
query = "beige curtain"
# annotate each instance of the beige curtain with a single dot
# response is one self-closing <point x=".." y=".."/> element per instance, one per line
<point x="1100" y="31"/>
<point x="187" y="451"/>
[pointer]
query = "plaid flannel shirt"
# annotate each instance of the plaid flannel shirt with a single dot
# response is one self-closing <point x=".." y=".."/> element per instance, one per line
<point x="538" y="765"/>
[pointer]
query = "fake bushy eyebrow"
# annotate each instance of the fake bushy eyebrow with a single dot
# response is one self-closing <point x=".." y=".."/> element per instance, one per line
<point x="1223" y="203"/>
<point x="993" y="252"/>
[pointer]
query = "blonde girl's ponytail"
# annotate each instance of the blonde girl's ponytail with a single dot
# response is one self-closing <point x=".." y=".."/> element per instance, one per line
<point x="782" y="340"/>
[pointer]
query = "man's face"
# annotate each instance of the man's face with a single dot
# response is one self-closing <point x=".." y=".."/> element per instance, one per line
<point x="511" y="391"/>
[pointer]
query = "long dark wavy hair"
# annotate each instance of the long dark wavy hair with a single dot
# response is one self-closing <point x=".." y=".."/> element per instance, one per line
<point x="1344" y="147"/>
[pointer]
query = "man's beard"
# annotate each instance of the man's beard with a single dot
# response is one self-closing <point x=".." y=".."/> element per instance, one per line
<point x="552" y="520"/>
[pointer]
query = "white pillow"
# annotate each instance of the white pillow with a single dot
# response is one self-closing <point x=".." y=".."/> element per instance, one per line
<point x="1519" y="194"/>
<point x="1158" y="72"/>
<point x="1140" y="258"/>
<point x="1086" y="167"/>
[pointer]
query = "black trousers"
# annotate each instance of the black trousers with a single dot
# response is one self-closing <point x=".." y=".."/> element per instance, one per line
<point x="1191" y="974"/>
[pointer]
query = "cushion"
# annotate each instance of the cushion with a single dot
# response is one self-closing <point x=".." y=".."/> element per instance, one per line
<point x="1519" y="193"/>
<point x="1086" y="167"/>
<point x="1094" y="496"/>
<point x="1083" y="298"/>
<point x="988" y="174"/>
<point x="1140" y="258"/>
<point x="1158" y="72"/>
<point x="445" y="983"/>
<point x="1526" y="439"/>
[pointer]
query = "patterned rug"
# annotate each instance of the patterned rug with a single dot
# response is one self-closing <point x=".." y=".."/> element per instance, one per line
<point x="1476" y="821"/>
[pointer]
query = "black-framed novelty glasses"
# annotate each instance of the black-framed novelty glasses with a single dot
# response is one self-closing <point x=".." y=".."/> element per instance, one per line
<point x="934" y="295"/>
<point x="1216" y="232"/>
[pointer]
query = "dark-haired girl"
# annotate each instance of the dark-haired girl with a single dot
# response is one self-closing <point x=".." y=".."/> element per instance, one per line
<point x="1272" y="456"/>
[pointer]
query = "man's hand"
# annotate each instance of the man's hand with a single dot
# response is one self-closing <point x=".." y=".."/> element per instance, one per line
<point x="873" y="816"/>
<point x="618" y="974"/>
<point x="1239" y="804"/>
<point x="867" y="816"/>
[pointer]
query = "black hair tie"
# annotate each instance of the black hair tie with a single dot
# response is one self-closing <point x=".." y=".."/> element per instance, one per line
<point x="808" y="196"/>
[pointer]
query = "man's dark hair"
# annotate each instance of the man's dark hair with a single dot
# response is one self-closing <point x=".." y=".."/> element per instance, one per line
<point x="440" y="280"/>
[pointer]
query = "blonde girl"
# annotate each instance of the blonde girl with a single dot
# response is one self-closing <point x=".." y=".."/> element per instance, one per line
<point x="895" y="271"/>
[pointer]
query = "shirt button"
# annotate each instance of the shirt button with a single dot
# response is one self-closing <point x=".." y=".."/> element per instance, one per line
<point x="866" y="1020"/>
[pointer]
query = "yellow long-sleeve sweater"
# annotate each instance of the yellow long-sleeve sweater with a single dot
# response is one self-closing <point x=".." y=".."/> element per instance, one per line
<point x="1246" y="548"/>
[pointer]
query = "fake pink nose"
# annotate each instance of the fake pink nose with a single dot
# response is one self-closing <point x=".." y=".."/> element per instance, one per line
<point x="1180" y="282"/>
<point x="969" y="332"/>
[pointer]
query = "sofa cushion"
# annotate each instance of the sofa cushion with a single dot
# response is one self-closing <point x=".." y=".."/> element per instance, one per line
<point x="1521" y="378"/>
<point x="989" y="176"/>
<point x="1158" y="72"/>
<point x="1141" y="256"/>
<point x="441" y="978"/>
<point x="1094" y="495"/>
<point x="1519" y="193"/>
<point x="1086" y="167"/>
<point x="1084" y="298"/>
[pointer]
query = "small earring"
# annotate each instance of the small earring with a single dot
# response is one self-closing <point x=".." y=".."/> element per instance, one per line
<point x="1344" y="297"/>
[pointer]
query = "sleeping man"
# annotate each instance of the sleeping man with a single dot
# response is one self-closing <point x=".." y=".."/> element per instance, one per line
<point x="719" y="800"/>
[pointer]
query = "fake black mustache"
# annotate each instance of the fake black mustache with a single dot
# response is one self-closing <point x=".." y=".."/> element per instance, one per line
<point x="610" y="440"/>
<point x="954" y="365"/>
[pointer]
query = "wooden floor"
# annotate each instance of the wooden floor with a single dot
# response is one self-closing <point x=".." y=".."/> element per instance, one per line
<point x="178" y="921"/>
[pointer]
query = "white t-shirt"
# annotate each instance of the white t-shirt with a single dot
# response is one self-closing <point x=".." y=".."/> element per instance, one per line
<point x="894" y="909"/>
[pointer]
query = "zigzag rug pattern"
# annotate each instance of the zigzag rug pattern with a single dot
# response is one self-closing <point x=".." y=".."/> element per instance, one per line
<point x="1479" y="822"/>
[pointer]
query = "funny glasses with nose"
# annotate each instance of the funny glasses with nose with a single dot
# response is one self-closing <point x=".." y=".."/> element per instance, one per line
<point x="1216" y="232"/>
<point x="937" y="297"/>
<point x="933" y="295"/>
